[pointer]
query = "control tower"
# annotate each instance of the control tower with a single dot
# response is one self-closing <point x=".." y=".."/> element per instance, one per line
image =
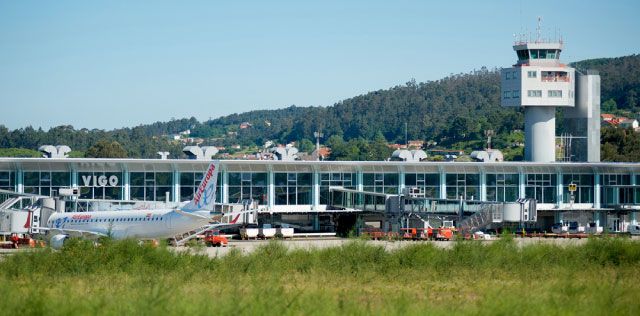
<point x="539" y="83"/>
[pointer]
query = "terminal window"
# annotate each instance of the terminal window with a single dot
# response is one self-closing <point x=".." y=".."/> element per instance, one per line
<point x="345" y="180"/>
<point x="292" y="188"/>
<point x="6" y="180"/>
<point x="542" y="187"/>
<point x="502" y="187"/>
<point x="45" y="182"/>
<point x="428" y="183"/>
<point x="616" y="189"/>
<point x="248" y="186"/>
<point x="463" y="185"/>
<point x="381" y="182"/>
<point x="584" y="188"/>
<point x="151" y="186"/>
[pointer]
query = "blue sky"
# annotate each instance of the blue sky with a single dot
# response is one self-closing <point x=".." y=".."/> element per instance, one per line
<point x="110" y="64"/>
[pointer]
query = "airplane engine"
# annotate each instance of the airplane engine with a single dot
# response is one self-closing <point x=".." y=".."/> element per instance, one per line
<point x="57" y="241"/>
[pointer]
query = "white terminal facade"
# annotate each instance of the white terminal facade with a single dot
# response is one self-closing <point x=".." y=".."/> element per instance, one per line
<point x="298" y="191"/>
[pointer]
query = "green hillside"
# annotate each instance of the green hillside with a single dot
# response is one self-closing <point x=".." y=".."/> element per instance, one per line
<point x="452" y="112"/>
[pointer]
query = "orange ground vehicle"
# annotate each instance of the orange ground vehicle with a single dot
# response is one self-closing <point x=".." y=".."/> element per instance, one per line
<point x="213" y="238"/>
<point x="444" y="233"/>
<point x="410" y="234"/>
<point x="426" y="233"/>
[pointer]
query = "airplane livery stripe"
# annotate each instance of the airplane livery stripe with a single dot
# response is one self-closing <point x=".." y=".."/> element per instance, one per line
<point x="204" y="183"/>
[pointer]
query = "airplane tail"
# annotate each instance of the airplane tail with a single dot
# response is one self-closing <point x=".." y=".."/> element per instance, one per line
<point x="205" y="196"/>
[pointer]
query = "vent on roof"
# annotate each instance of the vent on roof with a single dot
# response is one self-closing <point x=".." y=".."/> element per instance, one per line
<point x="200" y="153"/>
<point x="50" y="151"/>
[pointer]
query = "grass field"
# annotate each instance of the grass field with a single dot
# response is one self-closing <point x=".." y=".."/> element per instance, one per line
<point x="597" y="278"/>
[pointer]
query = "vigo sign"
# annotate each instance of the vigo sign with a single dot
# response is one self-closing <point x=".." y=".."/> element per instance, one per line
<point x="100" y="181"/>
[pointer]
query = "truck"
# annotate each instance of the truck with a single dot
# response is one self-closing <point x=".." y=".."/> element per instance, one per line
<point x="213" y="238"/>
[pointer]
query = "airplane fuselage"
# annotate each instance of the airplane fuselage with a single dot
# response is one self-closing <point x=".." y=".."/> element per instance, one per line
<point x="140" y="224"/>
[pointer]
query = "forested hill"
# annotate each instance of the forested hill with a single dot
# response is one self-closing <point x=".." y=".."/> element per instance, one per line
<point x="453" y="110"/>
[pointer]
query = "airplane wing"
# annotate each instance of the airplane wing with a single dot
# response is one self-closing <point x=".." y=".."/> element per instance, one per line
<point x="74" y="232"/>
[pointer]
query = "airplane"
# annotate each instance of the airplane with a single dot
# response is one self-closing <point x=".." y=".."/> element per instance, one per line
<point x="138" y="224"/>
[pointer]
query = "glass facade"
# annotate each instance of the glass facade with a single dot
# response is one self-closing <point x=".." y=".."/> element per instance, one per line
<point x="7" y="180"/>
<point x="101" y="185"/>
<point x="45" y="182"/>
<point x="346" y="180"/>
<point x="428" y="183"/>
<point x="293" y="188"/>
<point x="616" y="189"/>
<point x="502" y="187"/>
<point x="542" y="187"/>
<point x="151" y="186"/>
<point x="294" y="185"/>
<point x="381" y="182"/>
<point x="584" y="188"/>
<point x="248" y="186"/>
<point x="465" y="185"/>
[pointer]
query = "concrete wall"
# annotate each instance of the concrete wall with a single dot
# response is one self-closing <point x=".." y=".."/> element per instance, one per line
<point x="539" y="134"/>
<point x="584" y="119"/>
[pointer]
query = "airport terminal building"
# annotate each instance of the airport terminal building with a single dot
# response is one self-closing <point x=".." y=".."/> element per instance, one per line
<point x="605" y="192"/>
<point x="581" y="189"/>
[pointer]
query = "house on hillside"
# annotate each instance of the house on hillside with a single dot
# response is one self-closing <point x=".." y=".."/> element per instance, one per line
<point x="397" y="146"/>
<point x="607" y="117"/>
<point x="629" y="123"/>
<point x="416" y="143"/>
<point x="623" y="122"/>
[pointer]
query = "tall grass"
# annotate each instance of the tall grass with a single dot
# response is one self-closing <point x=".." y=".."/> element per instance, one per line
<point x="599" y="277"/>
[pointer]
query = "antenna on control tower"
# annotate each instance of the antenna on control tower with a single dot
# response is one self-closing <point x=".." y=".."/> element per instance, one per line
<point x="538" y="29"/>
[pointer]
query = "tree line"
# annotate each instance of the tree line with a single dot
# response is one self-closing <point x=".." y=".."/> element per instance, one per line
<point x="452" y="112"/>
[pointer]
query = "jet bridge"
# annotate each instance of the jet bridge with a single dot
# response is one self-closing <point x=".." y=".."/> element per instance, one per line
<point x="398" y="210"/>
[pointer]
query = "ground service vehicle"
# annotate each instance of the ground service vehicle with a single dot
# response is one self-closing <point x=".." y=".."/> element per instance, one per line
<point x="213" y="238"/>
<point x="444" y="233"/>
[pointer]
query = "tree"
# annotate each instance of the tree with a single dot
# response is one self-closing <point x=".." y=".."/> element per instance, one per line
<point x="106" y="149"/>
<point x="631" y="99"/>
<point x="306" y="146"/>
<point x="19" y="152"/>
<point x="609" y="106"/>
<point x="378" y="149"/>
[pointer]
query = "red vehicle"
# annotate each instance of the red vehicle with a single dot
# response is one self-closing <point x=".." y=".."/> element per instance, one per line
<point x="213" y="238"/>
<point x="444" y="233"/>
<point x="410" y="233"/>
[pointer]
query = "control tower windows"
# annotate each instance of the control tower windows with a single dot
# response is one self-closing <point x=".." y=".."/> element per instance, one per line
<point x="554" y="93"/>
<point x="523" y="54"/>
<point x="545" y="54"/>
<point x="534" y="93"/>
<point x="555" y="76"/>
